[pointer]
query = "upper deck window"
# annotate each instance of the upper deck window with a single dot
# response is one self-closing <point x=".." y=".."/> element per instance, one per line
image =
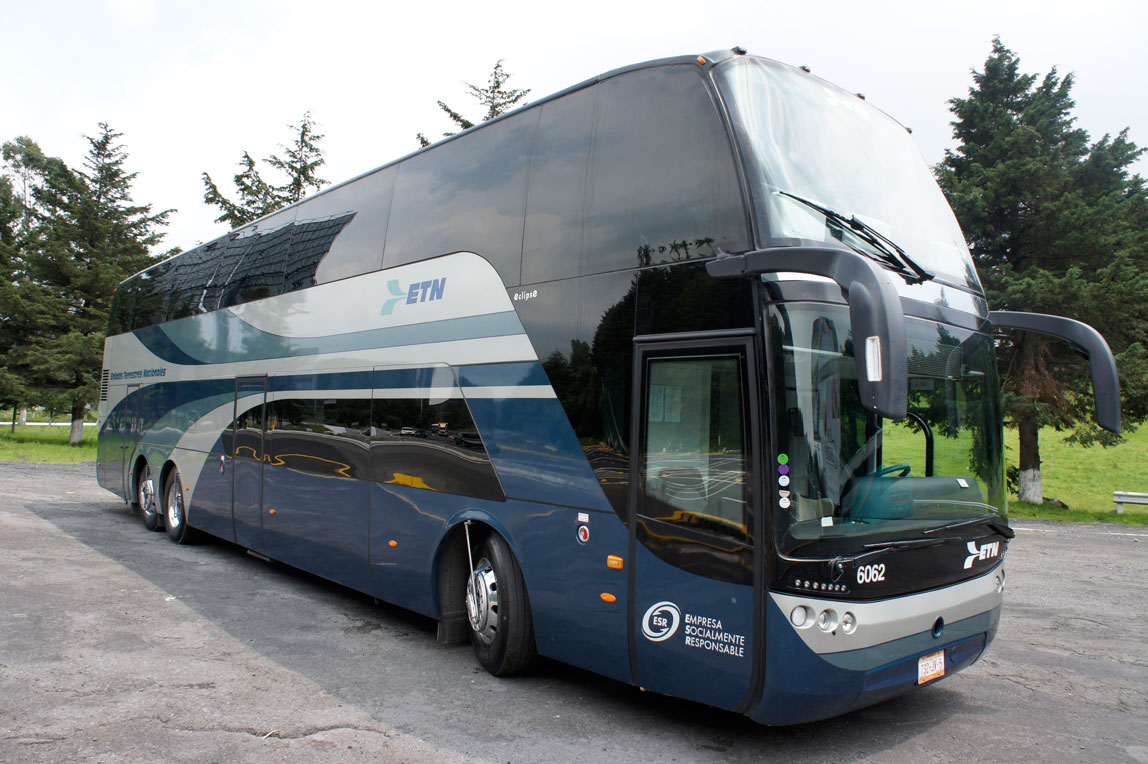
<point x="664" y="186"/>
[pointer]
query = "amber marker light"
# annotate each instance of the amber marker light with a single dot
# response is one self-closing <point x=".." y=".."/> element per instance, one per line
<point x="607" y="597"/>
<point x="270" y="511"/>
<point x="614" y="562"/>
<point x="392" y="543"/>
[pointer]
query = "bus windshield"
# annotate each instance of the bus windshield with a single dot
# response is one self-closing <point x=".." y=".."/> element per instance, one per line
<point x="845" y="475"/>
<point x="803" y="138"/>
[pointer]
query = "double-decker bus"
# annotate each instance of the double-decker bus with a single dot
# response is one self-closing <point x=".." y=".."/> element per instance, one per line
<point x="682" y="375"/>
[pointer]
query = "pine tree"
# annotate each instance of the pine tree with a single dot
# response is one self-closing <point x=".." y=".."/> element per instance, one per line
<point x="85" y="236"/>
<point x="1055" y="225"/>
<point x="257" y="197"/>
<point x="496" y="97"/>
<point x="12" y="388"/>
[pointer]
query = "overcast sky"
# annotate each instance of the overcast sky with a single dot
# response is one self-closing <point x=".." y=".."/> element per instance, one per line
<point x="191" y="85"/>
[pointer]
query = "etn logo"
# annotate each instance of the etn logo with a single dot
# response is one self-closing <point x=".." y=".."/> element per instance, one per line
<point x="419" y="291"/>
<point x="986" y="551"/>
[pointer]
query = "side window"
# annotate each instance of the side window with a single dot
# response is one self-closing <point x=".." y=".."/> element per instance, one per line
<point x="262" y="250"/>
<point x="194" y="272"/>
<point x="340" y="233"/>
<point x="693" y="463"/>
<point x="664" y="186"/>
<point x="468" y="194"/>
<point x="423" y="436"/>
<point x="143" y="298"/>
<point x="246" y="431"/>
<point x="320" y="436"/>
<point x="222" y="264"/>
<point x="555" y="208"/>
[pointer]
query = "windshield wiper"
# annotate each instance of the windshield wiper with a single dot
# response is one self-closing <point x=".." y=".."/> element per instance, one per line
<point x="903" y="544"/>
<point x="892" y="254"/>
<point x="993" y="522"/>
<point x="878" y="549"/>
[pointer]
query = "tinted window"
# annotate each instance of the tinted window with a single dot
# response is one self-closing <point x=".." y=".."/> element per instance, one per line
<point x="321" y="436"/>
<point x="142" y="300"/>
<point x="552" y="241"/>
<point x="340" y="233"/>
<point x="194" y="271"/>
<point x="222" y="265"/>
<point x="693" y="467"/>
<point x="468" y="194"/>
<point x="425" y="442"/>
<point x="261" y="249"/>
<point x="664" y="184"/>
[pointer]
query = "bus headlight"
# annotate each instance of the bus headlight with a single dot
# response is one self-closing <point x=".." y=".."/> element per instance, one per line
<point x="827" y="620"/>
<point x="849" y="623"/>
<point x="801" y="617"/>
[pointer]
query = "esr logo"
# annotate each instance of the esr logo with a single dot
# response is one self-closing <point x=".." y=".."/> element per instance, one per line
<point x="661" y="621"/>
<point x="992" y="549"/>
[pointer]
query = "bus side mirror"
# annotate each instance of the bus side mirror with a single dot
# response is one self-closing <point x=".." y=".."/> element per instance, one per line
<point x="878" y="323"/>
<point x="1084" y="340"/>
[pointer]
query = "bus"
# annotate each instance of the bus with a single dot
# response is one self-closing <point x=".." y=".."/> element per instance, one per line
<point x="682" y="375"/>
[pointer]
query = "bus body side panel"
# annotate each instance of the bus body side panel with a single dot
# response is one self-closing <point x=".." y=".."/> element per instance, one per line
<point x="538" y="457"/>
<point x="114" y="444"/>
<point x="811" y="675"/>
<point x="209" y="509"/>
<point x="579" y="602"/>
<point x="319" y="524"/>
<point x="406" y="527"/>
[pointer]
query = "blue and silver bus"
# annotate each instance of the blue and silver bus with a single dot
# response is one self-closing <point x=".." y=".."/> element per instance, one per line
<point x="682" y="375"/>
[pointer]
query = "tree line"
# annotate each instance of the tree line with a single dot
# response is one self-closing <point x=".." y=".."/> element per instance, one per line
<point x="69" y="236"/>
<point x="1056" y="223"/>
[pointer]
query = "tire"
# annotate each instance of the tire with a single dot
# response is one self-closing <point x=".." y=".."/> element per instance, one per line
<point x="174" y="509"/>
<point x="501" y="627"/>
<point x="145" y="498"/>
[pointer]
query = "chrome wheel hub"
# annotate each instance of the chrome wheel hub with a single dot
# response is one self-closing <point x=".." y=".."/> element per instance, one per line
<point x="146" y="497"/>
<point x="174" y="507"/>
<point x="482" y="601"/>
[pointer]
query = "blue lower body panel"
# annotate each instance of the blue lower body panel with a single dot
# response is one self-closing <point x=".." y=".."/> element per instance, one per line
<point x="802" y="686"/>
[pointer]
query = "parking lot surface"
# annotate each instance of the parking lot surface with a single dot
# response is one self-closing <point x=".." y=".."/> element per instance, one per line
<point x="118" y="646"/>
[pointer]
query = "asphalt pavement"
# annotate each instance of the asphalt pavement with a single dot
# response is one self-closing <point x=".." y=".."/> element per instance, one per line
<point x="119" y="646"/>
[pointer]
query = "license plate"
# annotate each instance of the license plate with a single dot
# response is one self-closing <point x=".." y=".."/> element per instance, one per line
<point x="930" y="667"/>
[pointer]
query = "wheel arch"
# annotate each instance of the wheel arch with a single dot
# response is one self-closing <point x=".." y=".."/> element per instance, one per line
<point x="451" y="568"/>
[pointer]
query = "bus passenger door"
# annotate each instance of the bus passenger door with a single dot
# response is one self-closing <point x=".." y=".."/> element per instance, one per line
<point x="129" y="434"/>
<point x="693" y="606"/>
<point x="247" y="461"/>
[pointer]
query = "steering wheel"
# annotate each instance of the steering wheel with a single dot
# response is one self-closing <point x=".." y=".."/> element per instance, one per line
<point x="901" y="469"/>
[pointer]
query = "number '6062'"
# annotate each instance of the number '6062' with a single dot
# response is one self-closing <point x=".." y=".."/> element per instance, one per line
<point x="867" y="574"/>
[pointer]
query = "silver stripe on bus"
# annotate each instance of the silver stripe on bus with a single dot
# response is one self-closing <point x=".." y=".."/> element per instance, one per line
<point x="886" y="620"/>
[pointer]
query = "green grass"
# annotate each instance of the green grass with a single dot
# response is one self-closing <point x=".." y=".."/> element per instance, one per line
<point x="1083" y="478"/>
<point x="1134" y="514"/>
<point x="46" y="445"/>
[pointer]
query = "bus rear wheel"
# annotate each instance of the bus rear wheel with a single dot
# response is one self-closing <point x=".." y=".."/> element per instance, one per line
<point x="501" y="628"/>
<point x="145" y="500"/>
<point x="174" y="511"/>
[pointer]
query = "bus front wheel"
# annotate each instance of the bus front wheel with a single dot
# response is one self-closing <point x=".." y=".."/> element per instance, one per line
<point x="145" y="499"/>
<point x="497" y="607"/>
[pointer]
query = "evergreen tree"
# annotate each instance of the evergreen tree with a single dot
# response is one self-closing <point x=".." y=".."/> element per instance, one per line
<point x="257" y="197"/>
<point x="1055" y="225"/>
<point x="496" y="97"/>
<point x="85" y="235"/>
<point x="12" y="389"/>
